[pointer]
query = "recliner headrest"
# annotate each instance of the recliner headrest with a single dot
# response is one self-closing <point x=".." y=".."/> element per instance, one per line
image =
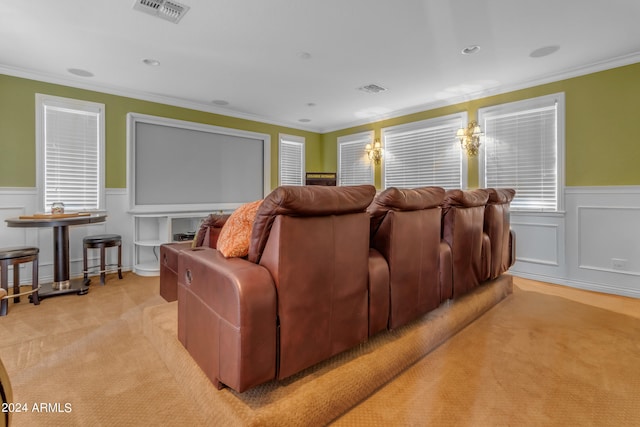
<point x="306" y="201"/>
<point x="500" y="196"/>
<point x="466" y="198"/>
<point x="408" y="199"/>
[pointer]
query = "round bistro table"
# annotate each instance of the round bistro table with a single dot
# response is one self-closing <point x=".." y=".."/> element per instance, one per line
<point x="62" y="284"/>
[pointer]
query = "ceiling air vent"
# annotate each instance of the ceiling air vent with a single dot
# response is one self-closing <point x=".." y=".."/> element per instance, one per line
<point x="372" y="88"/>
<point x="169" y="10"/>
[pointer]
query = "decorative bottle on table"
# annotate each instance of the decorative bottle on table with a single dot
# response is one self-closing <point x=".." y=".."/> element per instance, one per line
<point x="57" y="208"/>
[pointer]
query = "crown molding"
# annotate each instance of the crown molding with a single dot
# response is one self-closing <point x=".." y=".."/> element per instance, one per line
<point x="145" y="96"/>
<point x="569" y="73"/>
<point x="594" y="67"/>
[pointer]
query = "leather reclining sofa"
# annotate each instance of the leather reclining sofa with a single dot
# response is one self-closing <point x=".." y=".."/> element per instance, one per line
<point x="328" y="267"/>
<point x="207" y="236"/>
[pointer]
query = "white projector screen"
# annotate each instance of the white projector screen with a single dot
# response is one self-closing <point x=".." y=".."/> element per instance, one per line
<point x="185" y="166"/>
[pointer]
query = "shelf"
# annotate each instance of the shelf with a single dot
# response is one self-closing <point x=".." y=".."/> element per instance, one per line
<point x="148" y="242"/>
<point x="151" y="230"/>
<point x="147" y="269"/>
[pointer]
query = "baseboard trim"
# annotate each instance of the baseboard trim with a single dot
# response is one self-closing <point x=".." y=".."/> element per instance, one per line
<point x="587" y="286"/>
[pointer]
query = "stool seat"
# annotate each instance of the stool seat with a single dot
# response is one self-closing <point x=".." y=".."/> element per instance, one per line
<point x="18" y="252"/>
<point x="102" y="241"/>
<point x="14" y="256"/>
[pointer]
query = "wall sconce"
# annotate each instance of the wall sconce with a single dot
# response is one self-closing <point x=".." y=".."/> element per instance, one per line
<point x="470" y="138"/>
<point x="374" y="151"/>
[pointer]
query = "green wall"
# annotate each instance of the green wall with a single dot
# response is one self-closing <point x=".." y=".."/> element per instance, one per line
<point x="601" y="115"/>
<point x="17" y="130"/>
<point x="601" y="143"/>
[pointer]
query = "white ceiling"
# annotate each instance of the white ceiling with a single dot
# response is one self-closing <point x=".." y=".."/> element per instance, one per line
<point x="280" y="61"/>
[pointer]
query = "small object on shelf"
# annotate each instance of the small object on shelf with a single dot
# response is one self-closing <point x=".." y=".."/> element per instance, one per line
<point x="57" y="208"/>
<point x="184" y="237"/>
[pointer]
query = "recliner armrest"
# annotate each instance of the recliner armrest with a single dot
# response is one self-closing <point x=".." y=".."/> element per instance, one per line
<point x="485" y="274"/>
<point x="227" y="317"/>
<point x="378" y="292"/>
<point x="445" y="270"/>
<point x="512" y="247"/>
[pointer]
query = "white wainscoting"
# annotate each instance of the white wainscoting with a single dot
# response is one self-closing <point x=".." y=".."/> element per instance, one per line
<point x="595" y="245"/>
<point x="23" y="201"/>
<point x="603" y="239"/>
<point x="540" y="245"/>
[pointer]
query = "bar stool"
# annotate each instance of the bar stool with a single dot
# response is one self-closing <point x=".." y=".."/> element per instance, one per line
<point x="102" y="241"/>
<point x="13" y="257"/>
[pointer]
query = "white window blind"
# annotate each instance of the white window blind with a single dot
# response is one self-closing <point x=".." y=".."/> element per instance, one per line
<point x="521" y="152"/>
<point x="354" y="166"/>
<point x="291" y="160"/>
<point x="71" y="147"/>
<point x="424" y="153"/>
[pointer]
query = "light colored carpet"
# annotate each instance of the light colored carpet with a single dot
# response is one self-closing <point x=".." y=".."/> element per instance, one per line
<point x="89" y="353"/>
<point x="320" y="394"/>
<point x="533" y="360"/>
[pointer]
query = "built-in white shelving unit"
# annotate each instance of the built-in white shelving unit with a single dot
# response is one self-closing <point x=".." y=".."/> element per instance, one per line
<point x="150" y="230"/>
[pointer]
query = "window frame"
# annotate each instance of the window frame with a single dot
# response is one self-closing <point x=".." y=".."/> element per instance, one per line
<point x="43" y="101"/>
<point x="300" y="141"/>
<point x="361" y="138"/>
<point x="525" y="105"/>
<point x="458" y="120"/>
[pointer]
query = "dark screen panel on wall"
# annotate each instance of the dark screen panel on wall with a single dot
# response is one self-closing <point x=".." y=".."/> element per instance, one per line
<point x="175" y="164"/>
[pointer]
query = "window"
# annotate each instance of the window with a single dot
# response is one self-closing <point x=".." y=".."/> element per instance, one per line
<point x="70" y="150"/>
<point x="523" y="149"/>
<point x="291" y="160"/>
<point x="354" y="166"/>
<point x="425" y="153"/>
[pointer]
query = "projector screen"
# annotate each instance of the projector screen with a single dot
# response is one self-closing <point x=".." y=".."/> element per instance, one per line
<point x="184" y="166"/>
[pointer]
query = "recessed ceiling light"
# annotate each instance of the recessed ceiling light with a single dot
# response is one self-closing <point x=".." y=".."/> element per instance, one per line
<point x="470" y="50"/>
<point x="304" y="55"/>
<point x="151" y="62"/>
<point x="544" y="51"/>
<point x="311" y="104"/>
<point x="304" y="120"/>
<point x="220" y="102"/>
<point x="80" y="72"/>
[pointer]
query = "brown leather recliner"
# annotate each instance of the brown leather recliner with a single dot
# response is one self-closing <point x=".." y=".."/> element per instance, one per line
<point x="406" y="230"/>
<point x="463" y="230"/>
<point x="207" y="236"/>
<point x="302" y="294"/>
<point x="497" y="226"/>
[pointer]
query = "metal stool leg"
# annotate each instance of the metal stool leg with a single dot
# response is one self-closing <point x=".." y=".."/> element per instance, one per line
<point x="4" y="279"/>
<point x="120" y="262"/>
<point x="102" y="264"/>
<point x="35" y="299"/>
<point x="85" y="274"/>
<point x="16" y="281"/>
